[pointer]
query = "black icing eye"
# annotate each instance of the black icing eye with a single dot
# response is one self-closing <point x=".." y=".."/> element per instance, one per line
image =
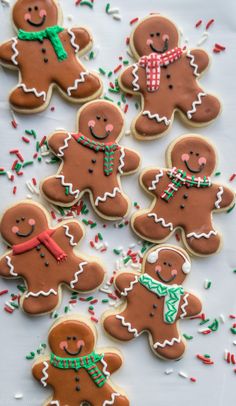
<point x="169" y="264"/>
<point x="158" y="34"/>
<point x="151" y="35"/>
<point x="105" y="119"/>
<point x="29" y="9"/>
<point x="23" y="218"/>
<point x="68" y="338"/>
<point x="36" y="8"/>
<point x="191" y="152"/>
<point x="98" y="117"/>
<point x="197" y="154"/>
<point x="17" y="221"/>
<point x="164" y="263"/>
<point x="74" y="338"/>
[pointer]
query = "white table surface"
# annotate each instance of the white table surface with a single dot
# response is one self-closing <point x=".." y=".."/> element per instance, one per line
<point x="143" y="375"/>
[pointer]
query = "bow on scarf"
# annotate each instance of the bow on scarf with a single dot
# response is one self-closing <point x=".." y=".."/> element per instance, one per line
<point x="50" y="33"/>
<point x="153" y="63"/>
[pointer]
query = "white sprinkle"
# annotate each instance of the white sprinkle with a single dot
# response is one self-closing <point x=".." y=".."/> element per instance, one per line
<point x="117" y="17"/>
<point x="203" y="39"/>
<point x="130" y="53"/>
<point x="28" y="197"/>
<point x="5" y="3"/>
<point x="234" y="342"/>
<point x="105" y="290"/>
<point x="169" y="371"/>
<point x="128" y="132"/>
<point x="18" y="396"/>
<point x="9" y="305"/>
<point x="113" y="10"/>
<point x="183" y="374"/>
<point x="70" y="17"/>
<point x="226" y="354"/>
<point x="222" y="318"/>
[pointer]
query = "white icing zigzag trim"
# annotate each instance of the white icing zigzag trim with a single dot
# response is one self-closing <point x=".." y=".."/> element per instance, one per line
<point x="41" y="293"/>
<point x="161" y="220"/>
<point x="122" y="164"/>
<point x="75" y="280"/>
<point x="45" y="374"/>
<point x="184" y="305"/>
<point x="69" y="185"/>
<point x="61" y="149"/>
<point x="55" y="403"/>
<point x="106" y="195"/>
<point x="191" y="62"/>
<point x="70" y="236"/>
<point x="33" y="90"/>
<point x="156" y="180"/>
<point x="126" y="290"/>
<point x="167" y="342"/>
<point x="132" y="330"/>
<point x="135" y="84"/>
<point x="157" y="117"/>
<point x="9" y="264"/>
<point x="205" y="235"/>
<point x="111" y="402"/>
<point x="194" y="104"/>
<point x="105" y="371"/>
<point x="219" y="197"/>
<point x="72" y="40"/>
<point x="14" y="49"/>
<point x="77" y="82"/>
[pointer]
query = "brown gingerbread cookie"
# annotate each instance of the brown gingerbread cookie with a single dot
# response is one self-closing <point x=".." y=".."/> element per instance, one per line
<point x="45" y="54"/>
<point x="155" y="301"/>
<point x="184" y="197"/>
<point x="92" y="161"/>
<point x="77" y="373"/>
<point x="44" y="257"/>
<point x="166" y="77"/>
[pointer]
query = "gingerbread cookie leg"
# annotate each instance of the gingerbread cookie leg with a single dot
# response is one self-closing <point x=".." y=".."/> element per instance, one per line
<point x="27" y="97"/>
<point x="110" y="201"/>
<point x="152" y="123"/>
<point x="167" y="342"/>
<point x="202" y="240"/>
<point x="119" y="326"/>
<point x="40" y="302"/>
<point x="57" y="189"/>
<point x="113" y="398"/>
<point x="203" y="108"/>
<point x="79" y="85"/>
<point x="152" y="226"/>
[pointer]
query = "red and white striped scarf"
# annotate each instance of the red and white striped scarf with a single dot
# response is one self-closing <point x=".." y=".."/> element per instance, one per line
<point x="153" y="63"/>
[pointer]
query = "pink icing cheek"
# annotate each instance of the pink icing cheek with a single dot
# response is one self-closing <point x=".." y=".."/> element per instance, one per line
<point x="149" y="41"/>
<point x="63" y="345"/>
<point x="42" y="13"/>
<point x="109" y="128"/>
<point x="165" y="37"/>
<point x="31" y="222"/>
<point x="27" y="16"/>
<point x="158" y="268"/>
<point x="91" y="123"/>
<point x="202" y="160"/>
<point x="80" y="343"/>
<point x="15" y="229"/>
<point x="185" y="157"/>
<point x="174" y="272"/>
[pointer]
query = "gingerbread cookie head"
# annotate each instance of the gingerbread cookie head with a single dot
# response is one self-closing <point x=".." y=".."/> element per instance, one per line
<point x="101" y="121"/>
<point x="35" y="15"/>
<point x="192" y="154"/>
<point x="154" y="34"/>
<point x="71" y="339"/>
<point x="22" y="222"/>
<point x="167" y="265"/>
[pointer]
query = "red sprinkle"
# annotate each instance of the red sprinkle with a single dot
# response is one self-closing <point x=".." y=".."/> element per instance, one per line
<point x="127" y="41"/>
<point x="219" y="46"/>
<point x="198" y="23"/>
<point x="91" y="312"/>
<point x="18" y="154"/>
<point x="126" y="108"/>
<point x="134" y="21"/>
<point x="111" y="296"/>
<point x="232" y="177"/>
<point x="3" y="292"/>
<point x="117" y="68"/>
<point x="177" y="236"/>
<point x="216" y="50"/>
<point x="14" y="151"/>
<point x="91" y="244"/>
<point x="42" y="141"/>
<point x="8" y="310"/>
<point x="232" y="316"/>
<point x="25" y="139"/>
<point x="14" y="124"/>
<point x="14" y="190"/>
<point x="94" y="301"/>
<point x="94" y="319"/>
<point x="14" y="164"/>
<point x="210" y="22"/>
<point x="34" y="181"/>
<point x="73" y="301"/>
<point x="193" y="379"/>
<point x="53" y="215"/>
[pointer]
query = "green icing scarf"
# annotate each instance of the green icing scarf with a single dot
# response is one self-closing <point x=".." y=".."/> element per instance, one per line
<point x="88" y="362"/>
<point x="172" y="295"/>
<point x="108" y="149"/>
<point x="50" y="33"/>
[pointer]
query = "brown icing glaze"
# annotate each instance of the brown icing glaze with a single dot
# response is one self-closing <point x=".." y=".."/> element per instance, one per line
<point x="178" y="88"/>
<point x="71" y="386"/>
<point x="190" y="208"/>
<point x="82" y="169"/>
<point x="42" y="272"/>
<point x="144" y="309"/>
<point x="38" y="63"/>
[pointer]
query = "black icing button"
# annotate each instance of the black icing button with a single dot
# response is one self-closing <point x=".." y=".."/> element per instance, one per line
<point x="42" y="255"/>
<point x="185" y="196"/>
<point x="46" y="60"/>
<point x="154" y="306"/>
<point x="170" y="86"/>
<point x="168" y="76"/>
<point x="46" y="263"/>
<point x="38" y="248"/>
<point x="90" y="170"/>
<point x="77" y="388"/>
<point x="77" y="379"/>
<point x="94" y="161"/>
<point x="152" y="314"/>
<point x="43" y="50"/>
<point x="182" y="206"/>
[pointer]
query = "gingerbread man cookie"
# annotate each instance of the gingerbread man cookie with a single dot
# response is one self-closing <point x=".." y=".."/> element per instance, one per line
<point x="155" y="301"/>
<point x="166" y="78"/>
<point x="92" y="161"/>
<point x="184" y="197"/>
<point x="45" y="257"/>
<point x="77" y="373"/>
<point x="45" y="54"/>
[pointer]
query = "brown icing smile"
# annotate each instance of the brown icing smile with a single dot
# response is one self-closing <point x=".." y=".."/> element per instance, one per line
<point x="194" y="170"/>
<point x="164" y="49"/>
<point x="37" y="24"/>
<point x="165" y="280"/>
<point x="73" y="353"/>
<point x="19" y="234"/>
<point x="99" y="137"/>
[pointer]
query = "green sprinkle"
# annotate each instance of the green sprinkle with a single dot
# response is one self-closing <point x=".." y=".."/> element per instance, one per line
<point x="2" y="172"/>
<point x="105" y="300"/>
<point x="108" y="98"/>
<point x="37" y="146"/>
<point x="137" y="105"/>
<point x="102" y="71"/>
<point x="88" y="299"/>
<point x="116" y="251"/>
<point x="66" y="309"/>
<point x="30" y="356"/>
<point x="110" y="73"/>
<point x="100" y="236"/>
<point x="217" y="173"/>
<point x="204" y="322"/>
<point x="127" y="259"/>
<point x="125" y="62"/>
<point x="93" y="225"/>
<point x="31" y="132"/>
<point x="15" y="305"/>
<point x="91" y="307"/>
<point x="39" y="159"/>
<point x="113" y="90"/>
<point x="123" y="98"/>
<point x="86" y="3"/>
<point x="85" y="222"/>
<point x="234" y="270"/>
<point x="27" y="163"/>
<point x="214" y="326"/>
<point x="233" y="330"/>
<point x="21" y="288"/>
<point x="91" y="55"/>
<point x="67" y="190"/>
<point x="207" y="356"/>
<point x="107" y="7"/>
<point x="187" y="337"/>
<point x="230" y="209"/>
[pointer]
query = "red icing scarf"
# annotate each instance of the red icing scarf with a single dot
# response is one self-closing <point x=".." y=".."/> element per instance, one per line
<point x="42" y="238"/>
<point x="153" y="63"/>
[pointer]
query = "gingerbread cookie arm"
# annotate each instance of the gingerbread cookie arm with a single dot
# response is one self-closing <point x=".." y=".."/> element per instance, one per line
<point x="129" y="161"/>
<point x="152" y="179"/>
<point x="81" y="38"/>
<point x="125" y="281"/>
<point x="200" y="59"/>
<point x="111" y="362"/>
<point x="130" y="79"/>
<point x="72" y="230"/>
<point x="89" y="276"/>
<point x="9" y="52"/>
<point x="190" y="306"/>
<point x="59" y="142"/>
<point x="41" y="372"/>
<point x="8" y="266"/>
<point x="223" y="197"/>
